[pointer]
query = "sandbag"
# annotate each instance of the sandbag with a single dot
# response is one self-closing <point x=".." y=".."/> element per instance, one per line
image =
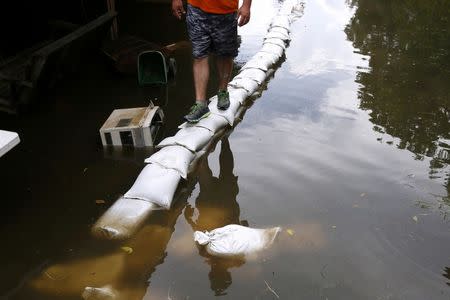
<point x="229" y="113"/>
<point x="275" y="41"/>
<point x="213" y="123"/>
<point x="275" y="50"/>
<point x="255" y="63"/>
<point x="176" y="158"/>
<point x="193" y="138"/>
<point x="278" y="34"/>
<point x="236" y="240"/>
<point x="256" y="74"/>
<point x="247" y="84"/>
<point x="155" y="184"/>
<point x="282" y="21"/>
<point x="238" y="94"/>
<point x="122" y="219"/>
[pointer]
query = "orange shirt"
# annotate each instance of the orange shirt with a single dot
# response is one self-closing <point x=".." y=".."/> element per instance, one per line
<point x="216" y="6"/>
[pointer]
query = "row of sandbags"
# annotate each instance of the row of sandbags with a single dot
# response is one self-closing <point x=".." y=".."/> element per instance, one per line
<point x="156" y="184"/>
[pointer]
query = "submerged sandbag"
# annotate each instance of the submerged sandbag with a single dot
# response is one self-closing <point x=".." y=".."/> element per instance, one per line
<point x="229" y="113"/>
<point x="176" y="158"/>
<point x="236" y="240"/>
<point x="122" y="219"/>
<point x="155" y="184"/>
<point x="213" y="123"/>
<point x="193" y="138"/>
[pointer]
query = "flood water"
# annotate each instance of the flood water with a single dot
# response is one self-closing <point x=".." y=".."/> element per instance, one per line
<point x="347" y="147"/>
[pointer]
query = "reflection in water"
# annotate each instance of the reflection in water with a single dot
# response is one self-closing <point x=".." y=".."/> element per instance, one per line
<point x="216" y="207"/>
<point x="124" y="275"/>
<point x="447" y="274"/>
<point x="406" y="89"/>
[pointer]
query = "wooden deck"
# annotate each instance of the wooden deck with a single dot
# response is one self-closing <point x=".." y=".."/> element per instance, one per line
<point x="24" y="76"/>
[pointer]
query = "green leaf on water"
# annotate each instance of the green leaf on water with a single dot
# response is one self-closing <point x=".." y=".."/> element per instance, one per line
<point x="291" y="232"/>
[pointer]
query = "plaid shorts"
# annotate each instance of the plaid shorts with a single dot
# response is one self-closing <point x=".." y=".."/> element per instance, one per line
<point x="212" y="33"/>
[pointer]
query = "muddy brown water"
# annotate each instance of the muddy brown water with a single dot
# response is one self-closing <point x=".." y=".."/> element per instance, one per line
<point x="347" y="147"/>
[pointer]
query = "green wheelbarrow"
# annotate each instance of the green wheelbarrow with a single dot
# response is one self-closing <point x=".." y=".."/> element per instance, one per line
<point x="154" y="68"/>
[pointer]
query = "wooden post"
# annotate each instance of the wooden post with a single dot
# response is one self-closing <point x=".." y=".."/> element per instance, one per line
<point x="111" y="5"/>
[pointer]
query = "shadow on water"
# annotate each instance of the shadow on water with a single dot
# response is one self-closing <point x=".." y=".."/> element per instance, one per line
<point x="216" y="206"/>
<point x="406" y="88"/>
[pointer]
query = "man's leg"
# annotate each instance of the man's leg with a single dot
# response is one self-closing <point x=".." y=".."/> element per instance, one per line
<point x="201" y="42"/>
<point x="225" y="42"/>
<point x="200" y="68"/>
<point x="201" y="77"/>
<point x="224" y="68"/>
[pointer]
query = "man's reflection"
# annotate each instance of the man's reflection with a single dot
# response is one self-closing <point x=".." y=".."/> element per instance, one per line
<point x="217" y="207"/>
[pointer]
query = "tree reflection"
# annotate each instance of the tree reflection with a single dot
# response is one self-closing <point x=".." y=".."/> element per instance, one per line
<point x="406" y="88"/>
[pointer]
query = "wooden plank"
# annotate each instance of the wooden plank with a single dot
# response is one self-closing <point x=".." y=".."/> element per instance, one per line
<point x="91" y="26"/>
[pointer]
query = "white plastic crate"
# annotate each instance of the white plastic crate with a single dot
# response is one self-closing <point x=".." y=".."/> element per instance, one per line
<point x="8" y="140"/>
<point x="132" y="126"/>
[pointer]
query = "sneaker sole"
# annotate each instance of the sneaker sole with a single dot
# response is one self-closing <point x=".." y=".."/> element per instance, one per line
<point x="223" y="108"/>
<point x="198" y="120"/>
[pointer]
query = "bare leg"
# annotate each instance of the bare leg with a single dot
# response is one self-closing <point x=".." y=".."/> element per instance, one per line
<point x="201" y="77"/>
<point x="224" y="68"/>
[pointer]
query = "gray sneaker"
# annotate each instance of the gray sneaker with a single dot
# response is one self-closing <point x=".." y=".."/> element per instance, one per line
<point x="223" y="100"/>
<point x="198" y="111"/>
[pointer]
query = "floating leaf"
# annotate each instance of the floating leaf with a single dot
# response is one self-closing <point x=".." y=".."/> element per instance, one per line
<point x="334" y="226"/>
<point x="127" y="250"/>
<point x="416" y="219"/>
<point x="100" y="201"/>
<point x="363" y="194"/>
<point x="291" y="232"/>
<point x="355" y="205"/>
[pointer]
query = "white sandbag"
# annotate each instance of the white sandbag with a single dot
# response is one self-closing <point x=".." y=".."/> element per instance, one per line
<point x="213" y="123"/>
<point x="122" y="219"/>
<point x="282" y="21"/>
<point x="275" y="34"/>
<point x="255" y="63"/>
<point x="256" y="74"/>
<point x="247" y="84"/>
<point x="275" y="50"/>
<point x="229" y="113"/>
<point x="238" y="94"/>
<point x="155" y="184"/>
<point x="266" y="59"/>
<point x="176" y="158"/>
<point x="236" y="240"/>
<point x="275" y="41"/>
<point x="278" y="30"/>
<point x="193" y="138"/>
